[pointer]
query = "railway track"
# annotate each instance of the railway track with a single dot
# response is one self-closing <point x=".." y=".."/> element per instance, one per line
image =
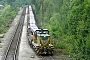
<point x="46" y="57"/>
<point x="12" y="51"/>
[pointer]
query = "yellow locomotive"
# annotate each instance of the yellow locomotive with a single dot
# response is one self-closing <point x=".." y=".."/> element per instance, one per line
<point x="41" y="42"/>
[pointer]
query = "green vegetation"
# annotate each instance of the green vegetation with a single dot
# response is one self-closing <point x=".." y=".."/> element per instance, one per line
<point x="69" y="24"/>
<point x="11" y="7"/>
<point x="67" y="20"/>
<point x="6" y="15"/>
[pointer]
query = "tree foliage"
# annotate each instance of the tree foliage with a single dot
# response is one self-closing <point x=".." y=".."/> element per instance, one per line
<point x="69" y="23"/>
<point x="9" y="12"/>
<point x="67" y="20"/>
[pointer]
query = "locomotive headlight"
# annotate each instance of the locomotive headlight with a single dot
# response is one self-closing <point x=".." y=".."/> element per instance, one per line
<point x="49" y="44"/>
<point x="44" y="36"/>
<point x="40" y="44"/>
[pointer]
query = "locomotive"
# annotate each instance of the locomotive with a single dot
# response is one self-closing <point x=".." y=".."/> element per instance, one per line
<point x="40" y="38"/>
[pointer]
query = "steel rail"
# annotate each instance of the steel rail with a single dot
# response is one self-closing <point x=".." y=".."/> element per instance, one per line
<point x="12" y="46"/>
<point x="46" y="57"/>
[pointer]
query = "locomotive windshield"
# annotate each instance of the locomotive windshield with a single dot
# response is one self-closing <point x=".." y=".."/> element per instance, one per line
<point x="43" y="33"/>
<point x="44" y="36"/>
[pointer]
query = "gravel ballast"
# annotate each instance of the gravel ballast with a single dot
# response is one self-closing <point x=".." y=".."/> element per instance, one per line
<point x="8" y="36"/>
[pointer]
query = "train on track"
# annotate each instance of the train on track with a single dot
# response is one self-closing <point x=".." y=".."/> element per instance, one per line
<point x="40" y="38"/>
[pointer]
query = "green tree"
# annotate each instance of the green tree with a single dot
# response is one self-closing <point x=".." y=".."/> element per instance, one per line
<point x="79" y="28"/>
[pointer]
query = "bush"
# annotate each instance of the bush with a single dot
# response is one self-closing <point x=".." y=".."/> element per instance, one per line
<point x="60" y="45"/>
<point x="7" y="14"/>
